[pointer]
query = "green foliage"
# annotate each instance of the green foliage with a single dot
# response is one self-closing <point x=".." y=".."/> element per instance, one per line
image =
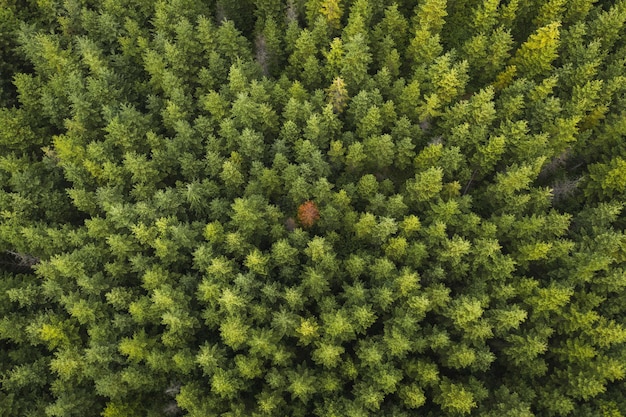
<point x="312" y="208"/>
<point x="535" y="56"/>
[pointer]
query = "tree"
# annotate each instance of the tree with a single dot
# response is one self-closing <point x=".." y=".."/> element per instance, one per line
<point x="332" y="11"/>
<point x="308" y="214"/>
<point x="535" y="56"/>
<point x="428" y="21"/>
<point x="356" y="62"/>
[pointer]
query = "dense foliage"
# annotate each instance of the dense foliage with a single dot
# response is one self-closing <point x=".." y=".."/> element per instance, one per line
<point x="312" y="208"/>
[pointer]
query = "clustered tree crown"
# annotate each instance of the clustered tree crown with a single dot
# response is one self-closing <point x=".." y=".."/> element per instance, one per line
<point x="312" y="208"/>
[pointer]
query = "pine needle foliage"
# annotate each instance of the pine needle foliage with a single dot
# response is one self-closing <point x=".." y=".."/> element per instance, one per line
<point x="312" y="208"/>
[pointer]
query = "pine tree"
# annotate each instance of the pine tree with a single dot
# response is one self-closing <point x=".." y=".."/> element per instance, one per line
<point x="535" y="56"/>
<point x="332" y="11"/>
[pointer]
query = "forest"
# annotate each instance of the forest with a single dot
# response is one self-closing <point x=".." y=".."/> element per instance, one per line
<point x="312" y="208"/>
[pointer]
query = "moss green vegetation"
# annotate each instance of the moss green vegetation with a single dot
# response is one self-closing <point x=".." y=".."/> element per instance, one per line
<point x="320" y="208"/>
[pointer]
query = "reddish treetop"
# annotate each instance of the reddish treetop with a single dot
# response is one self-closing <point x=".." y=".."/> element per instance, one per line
<point x="308" y="213"/>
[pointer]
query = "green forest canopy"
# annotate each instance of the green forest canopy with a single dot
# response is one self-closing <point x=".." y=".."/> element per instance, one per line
<point x="312" y="208"/>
